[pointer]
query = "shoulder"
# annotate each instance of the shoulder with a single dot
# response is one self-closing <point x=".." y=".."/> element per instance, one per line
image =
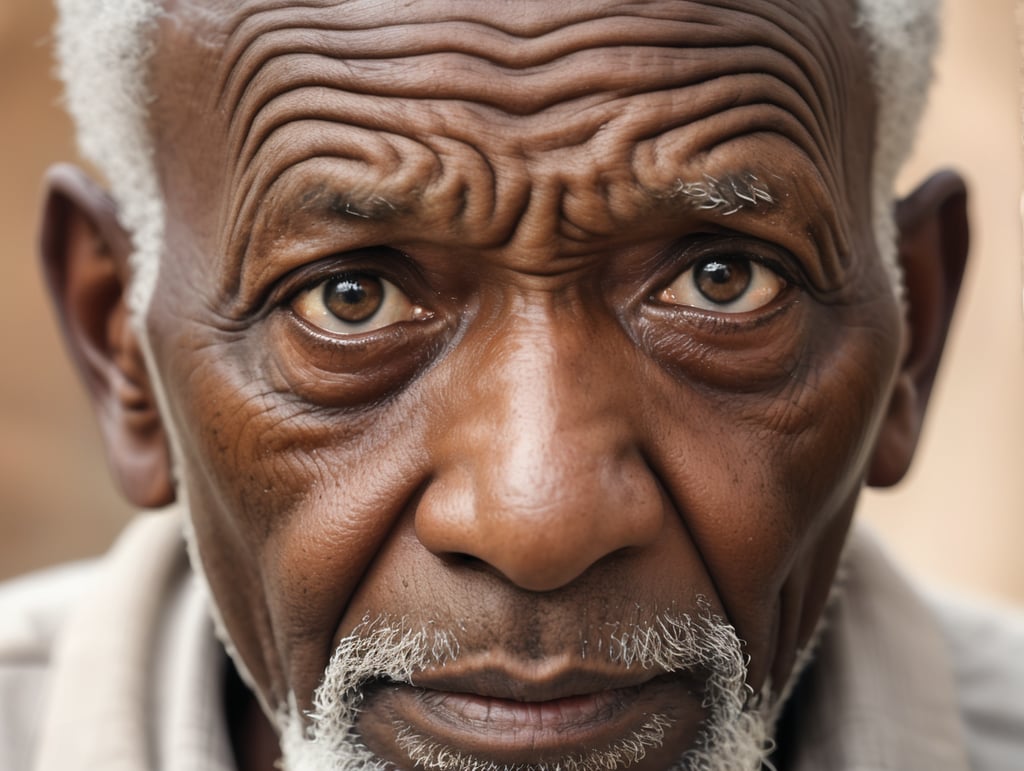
<point x="68" y="632"/>
<point x="987" y="646"/>
<point x="33" y="610"/>
<point x="34" y="606"/>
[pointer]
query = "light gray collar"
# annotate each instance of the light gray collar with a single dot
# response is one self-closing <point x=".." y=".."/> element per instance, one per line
<point x="880" y="695"/>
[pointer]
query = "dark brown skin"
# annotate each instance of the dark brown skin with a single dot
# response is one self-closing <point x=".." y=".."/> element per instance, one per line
<point x="541" y="439"/>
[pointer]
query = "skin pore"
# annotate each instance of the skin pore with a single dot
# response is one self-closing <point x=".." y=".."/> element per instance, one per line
<point x="528" y="322"/>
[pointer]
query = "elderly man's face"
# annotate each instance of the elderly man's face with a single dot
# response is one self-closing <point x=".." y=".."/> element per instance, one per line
<point x="533" y="323"/>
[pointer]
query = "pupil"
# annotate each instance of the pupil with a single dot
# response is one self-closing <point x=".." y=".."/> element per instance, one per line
<point x="353" y="297"/>
<point x="724" y="281"/>
<point x="718" y="272"/>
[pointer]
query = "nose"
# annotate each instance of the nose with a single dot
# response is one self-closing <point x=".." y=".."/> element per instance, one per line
<point x="538" y="473"/>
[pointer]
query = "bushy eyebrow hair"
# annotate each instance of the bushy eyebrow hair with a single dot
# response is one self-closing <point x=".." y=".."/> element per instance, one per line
<point x="727" y="195"/>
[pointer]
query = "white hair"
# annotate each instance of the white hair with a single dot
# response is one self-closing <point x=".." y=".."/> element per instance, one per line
<point x="103" y="47"/>
<point x="902" y="37"/>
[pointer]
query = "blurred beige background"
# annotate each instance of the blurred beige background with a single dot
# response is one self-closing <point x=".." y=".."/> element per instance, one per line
<point x="958" y="519"/>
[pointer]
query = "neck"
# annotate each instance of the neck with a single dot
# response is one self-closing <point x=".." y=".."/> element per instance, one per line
<point x="253" y="738"/>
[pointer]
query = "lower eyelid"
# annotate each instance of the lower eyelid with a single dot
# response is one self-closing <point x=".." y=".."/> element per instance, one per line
<point x="342" y="371"/>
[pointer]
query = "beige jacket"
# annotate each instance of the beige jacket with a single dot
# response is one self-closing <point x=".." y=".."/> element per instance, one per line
<point x="114" y="666"/>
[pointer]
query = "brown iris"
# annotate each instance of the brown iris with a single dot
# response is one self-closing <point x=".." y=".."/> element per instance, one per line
<point x="723" y="281"/>
<point x="353" y="297"/>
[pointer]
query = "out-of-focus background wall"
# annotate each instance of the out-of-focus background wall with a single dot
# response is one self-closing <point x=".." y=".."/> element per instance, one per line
<point x="958" y="519"/>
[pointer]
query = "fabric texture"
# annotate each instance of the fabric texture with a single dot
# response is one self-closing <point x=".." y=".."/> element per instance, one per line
<point x="128" y="674"/>
<point x="114" y="665"/>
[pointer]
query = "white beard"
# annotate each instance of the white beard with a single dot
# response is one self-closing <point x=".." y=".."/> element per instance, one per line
<point x="733" y="737"/>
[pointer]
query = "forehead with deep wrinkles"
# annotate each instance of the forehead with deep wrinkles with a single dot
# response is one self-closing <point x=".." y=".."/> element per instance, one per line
<point x="529" y="133"/>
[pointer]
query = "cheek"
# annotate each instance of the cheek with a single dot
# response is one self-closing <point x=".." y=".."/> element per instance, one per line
<point x="765" y="481"/>
<point x="288" y="500"/>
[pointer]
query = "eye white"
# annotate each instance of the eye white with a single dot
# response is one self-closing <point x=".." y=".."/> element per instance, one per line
<point x="724" y="285"/>
<point x="355" y="302"/>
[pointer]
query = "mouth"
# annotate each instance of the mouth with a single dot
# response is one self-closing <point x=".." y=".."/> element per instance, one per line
<point x="507" y="718"/>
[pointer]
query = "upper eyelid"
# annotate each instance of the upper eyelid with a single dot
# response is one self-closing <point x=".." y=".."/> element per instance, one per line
<point x="772" y="257"/>
<point x="675" y="260"/>
<point x="773" y="265"/>
<point x="395" y="269"/>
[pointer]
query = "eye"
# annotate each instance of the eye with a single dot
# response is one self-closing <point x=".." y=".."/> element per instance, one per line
<point x="725" y="285"/>
<point x="352" y="302"/>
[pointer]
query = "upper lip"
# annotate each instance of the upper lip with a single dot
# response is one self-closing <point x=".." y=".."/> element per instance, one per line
<point x="530" y="681"/>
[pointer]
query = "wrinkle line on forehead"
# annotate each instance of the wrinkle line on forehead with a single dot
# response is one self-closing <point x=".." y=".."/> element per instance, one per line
<point x="819" y="39"/>
<point x="244" y="19"/>
<point x="371" y="40"/>
<point x="468" y="83"/>
<point x="667" y="33"/>
<point x="815" y="33"/>
<point x="484" y="41"/>
<point x="787" y="66"/>
<point x="706" y="100"/>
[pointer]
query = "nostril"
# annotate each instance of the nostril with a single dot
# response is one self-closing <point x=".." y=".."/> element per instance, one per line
<point x="542" y="531"/>
<point x="461" y="559"/>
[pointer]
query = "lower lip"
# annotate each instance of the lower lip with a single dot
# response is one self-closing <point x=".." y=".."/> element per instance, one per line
<point x="512" y="732"/>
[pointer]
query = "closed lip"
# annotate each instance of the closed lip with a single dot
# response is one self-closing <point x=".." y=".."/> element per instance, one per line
<point x="506" y="716"/>
<point x="531" y="682"/>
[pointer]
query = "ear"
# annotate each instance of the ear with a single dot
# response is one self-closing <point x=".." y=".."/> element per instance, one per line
<point x="85" y="259"/>
<point x="933" y="244"/>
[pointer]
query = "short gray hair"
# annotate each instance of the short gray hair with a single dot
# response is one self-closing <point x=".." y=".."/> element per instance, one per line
<point x="103" y="47"/>
<point x="903" y="36"/>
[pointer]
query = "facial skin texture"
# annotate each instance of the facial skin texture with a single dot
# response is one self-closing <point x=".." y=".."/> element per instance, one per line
<point x="547" y="443"/>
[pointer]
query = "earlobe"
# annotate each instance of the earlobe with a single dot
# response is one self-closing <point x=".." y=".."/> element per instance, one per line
<point x="933" y="245"/>
<point x="85" y="253"/>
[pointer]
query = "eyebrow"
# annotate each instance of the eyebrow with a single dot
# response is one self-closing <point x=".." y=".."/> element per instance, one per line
<point x="728" y="195"/>
<point x="324" y="199"/>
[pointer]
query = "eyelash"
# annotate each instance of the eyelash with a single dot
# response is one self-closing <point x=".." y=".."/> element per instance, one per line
<point x="679" y="259"/>
<point x="305" y="278"/>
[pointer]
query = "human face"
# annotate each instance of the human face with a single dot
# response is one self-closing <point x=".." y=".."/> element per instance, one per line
<point x="527" y="321"/>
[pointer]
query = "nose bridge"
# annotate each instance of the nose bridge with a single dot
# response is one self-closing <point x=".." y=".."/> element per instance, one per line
<point x="546" y="417"/>
<point x="542" y="476"/>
